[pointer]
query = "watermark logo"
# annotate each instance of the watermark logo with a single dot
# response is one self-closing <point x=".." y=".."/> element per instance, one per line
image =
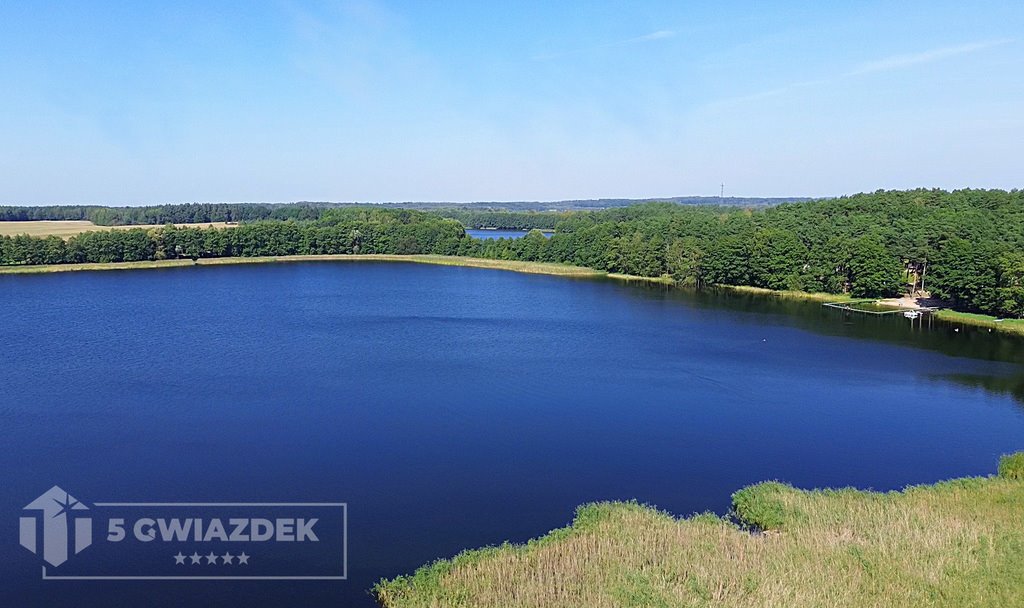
<point x="186" y="540"/>
<point x="57" y="528"/>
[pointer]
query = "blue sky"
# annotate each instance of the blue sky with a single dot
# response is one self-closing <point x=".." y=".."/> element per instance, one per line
<point x="141" y="103"/>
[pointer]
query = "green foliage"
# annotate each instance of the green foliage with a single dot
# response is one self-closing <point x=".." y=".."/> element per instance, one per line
<point x="873" y="271"/>
<point x="763" y="505"/>
<point x="965" y="245"/>
<point x="1010" y="279"/>
<point x="1011" y="466"/>
<point x="338" y="231"/>
<point x="190" y="213"/>
<point x="965" y="272"/>
<point x="777" y="259"/>
<point x="685" y="262"/>
<point x="488" y="218"/>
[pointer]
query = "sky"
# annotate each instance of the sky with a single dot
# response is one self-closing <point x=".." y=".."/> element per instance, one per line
<point x="130" y="103"/>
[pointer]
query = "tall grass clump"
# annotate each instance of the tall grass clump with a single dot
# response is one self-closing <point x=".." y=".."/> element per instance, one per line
<point x="763" y="506"/>
<point x="1011" y="466"/>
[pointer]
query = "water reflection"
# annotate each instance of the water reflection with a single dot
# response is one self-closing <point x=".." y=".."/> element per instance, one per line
<point x="1007" y="385"/>
<point x="927" y="332"/>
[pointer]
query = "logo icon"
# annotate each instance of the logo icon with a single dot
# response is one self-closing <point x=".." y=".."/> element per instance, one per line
<point x="59" y="527"/>
<point x="186" y="540"/>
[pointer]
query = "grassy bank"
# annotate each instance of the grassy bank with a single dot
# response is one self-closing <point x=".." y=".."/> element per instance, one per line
<point x="954" y="543"/>
<point x="664" y="279"/>
<point x="1015" y="326"/>
<point x="527" y="267"/>
<point x="440" y="260"/>
<point x="48" y="268"/>
<point x="788" y="294"/>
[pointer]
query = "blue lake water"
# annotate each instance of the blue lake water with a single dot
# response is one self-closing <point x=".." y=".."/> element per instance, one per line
<point x="456" y="407"/>
<point x="499" y="234"/>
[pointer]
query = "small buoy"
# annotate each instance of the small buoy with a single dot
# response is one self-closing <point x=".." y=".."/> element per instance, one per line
<point x="957" y="329"/>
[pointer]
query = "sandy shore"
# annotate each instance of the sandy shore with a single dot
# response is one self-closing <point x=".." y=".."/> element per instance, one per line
<point x="913" y="302"/>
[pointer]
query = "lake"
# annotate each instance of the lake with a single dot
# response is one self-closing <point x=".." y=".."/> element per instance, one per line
<point x="499" y="234"/>
<point x="453" y="408"/>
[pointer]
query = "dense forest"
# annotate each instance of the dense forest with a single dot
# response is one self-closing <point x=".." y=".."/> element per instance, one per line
<point x="491" y="218"/>
<point x="345" y="230"/>
<point x="965" y="246"/>
<point x="474" y="215"/>
<point x="189" y="213"/>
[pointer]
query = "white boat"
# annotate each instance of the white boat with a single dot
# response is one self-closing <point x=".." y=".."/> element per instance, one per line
<point x="911" y="314"/>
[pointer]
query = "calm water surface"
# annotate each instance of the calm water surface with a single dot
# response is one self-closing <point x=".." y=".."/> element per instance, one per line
<point x="499" y="234"/>
<point x="455" y="407"/>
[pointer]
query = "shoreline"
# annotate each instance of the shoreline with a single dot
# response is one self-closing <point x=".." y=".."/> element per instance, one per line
<point x="826" y="545"/>
<point x="439" y="260"/>
<point x="809" y="296"/>
<point x="1008" y="326"/>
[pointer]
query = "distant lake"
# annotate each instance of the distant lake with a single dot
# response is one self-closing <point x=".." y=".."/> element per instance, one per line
<point x="500" y="234"/>
<point x="453" y="408"/>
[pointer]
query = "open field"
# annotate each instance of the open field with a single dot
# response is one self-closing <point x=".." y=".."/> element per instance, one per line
<point x="955" y="543"/>
<point x="67" y="229"/>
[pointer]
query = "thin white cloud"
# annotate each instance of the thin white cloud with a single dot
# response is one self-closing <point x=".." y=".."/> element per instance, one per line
<point x="897" y="62"/>
<point x="657" y="35"/>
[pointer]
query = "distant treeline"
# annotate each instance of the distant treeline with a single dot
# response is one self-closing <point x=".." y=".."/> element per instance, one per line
<point x="965" y="246"/>
<point x="473" y="218"/>
<point x="598" y="204"/>
<point x="190" y="213"/>
<point x="518" y="215"/>
<point x="348" y="230"/>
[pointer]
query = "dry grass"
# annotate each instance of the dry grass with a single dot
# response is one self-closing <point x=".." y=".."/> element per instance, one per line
<point x="47" y="228"/>
<point x="788" y="294"/>
<point x="48" y="268"/>
<point x="664" y="279"/>
<point x="68" y="229"/>
<point x="956" y="543"/>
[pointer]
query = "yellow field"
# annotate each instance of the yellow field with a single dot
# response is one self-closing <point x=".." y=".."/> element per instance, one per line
<point x="66" y="229"/>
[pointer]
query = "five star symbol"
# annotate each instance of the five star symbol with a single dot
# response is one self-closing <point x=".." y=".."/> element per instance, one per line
<point x="212" y="558"/>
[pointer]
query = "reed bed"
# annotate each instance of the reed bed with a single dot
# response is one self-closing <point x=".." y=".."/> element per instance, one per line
<point x="955" y="543"/>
